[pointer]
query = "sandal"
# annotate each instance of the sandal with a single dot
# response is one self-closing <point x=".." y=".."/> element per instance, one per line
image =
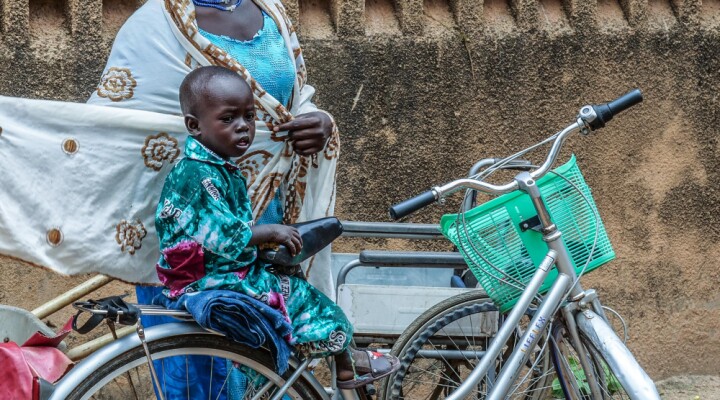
<point x="375" y="366"/>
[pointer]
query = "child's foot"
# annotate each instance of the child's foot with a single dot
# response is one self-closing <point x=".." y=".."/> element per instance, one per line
<point x="356" y="368"/>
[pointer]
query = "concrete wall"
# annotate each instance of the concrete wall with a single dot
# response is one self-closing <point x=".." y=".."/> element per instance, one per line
<point x="422" y="89"/>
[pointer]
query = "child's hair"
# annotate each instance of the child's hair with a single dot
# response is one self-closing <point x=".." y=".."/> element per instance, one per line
<point x="195" y="84"/>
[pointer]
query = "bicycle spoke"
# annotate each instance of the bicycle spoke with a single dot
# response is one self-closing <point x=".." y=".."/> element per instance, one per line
<point x="212" y="365"/>
<point x="165" y="378"/>
<point x="225" y="381"/>
<point x="187" y="377"/>
<point x="132" y="386"/>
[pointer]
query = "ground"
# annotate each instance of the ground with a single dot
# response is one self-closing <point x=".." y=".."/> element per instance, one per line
<point x="690" y="388"/>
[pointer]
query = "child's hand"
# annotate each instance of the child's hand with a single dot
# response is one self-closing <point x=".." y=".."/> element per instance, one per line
<point x="288" y="236"/>
<point x="276" y="233"/>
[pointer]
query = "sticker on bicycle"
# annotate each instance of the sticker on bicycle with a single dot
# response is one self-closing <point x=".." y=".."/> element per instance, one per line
<point x="537" y="328"/>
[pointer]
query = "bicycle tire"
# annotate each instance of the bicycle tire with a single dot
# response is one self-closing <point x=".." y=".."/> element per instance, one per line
<point x="572" y="377"/>
<point x="420" y="334"/>
<point x="259" y="360"/>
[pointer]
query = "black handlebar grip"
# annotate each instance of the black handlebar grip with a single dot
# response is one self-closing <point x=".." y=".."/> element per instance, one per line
<point x="625" y="101"/>
<point x="605" y="112"/>
<point x="409" y="206"/>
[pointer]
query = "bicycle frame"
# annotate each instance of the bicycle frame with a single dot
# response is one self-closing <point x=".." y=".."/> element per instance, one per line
<point x="588" y="314"/>
<point x="557" y="255"/>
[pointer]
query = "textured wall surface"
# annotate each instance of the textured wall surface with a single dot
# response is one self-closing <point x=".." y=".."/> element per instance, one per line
<point x="422" y="89"/>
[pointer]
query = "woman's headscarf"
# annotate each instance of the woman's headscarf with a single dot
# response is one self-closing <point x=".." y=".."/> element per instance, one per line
<point x="104" y="194"/>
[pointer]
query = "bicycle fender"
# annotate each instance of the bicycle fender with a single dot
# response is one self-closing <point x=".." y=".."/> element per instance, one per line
<point x="86" y="367"/>
<point x="620" y="361"/>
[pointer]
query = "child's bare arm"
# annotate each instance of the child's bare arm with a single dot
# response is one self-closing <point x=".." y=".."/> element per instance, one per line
<point x="276" y="233"/>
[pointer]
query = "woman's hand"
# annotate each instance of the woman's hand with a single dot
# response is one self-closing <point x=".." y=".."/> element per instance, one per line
<point x="276" y="233"/>
<point x="308" y="132"/>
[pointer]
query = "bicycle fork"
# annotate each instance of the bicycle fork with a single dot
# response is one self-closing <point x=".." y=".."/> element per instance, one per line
<point x="619" y="359"/>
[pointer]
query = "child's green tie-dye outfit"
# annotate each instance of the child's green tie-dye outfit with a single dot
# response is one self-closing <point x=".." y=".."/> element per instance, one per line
<point x="203" y="222"/>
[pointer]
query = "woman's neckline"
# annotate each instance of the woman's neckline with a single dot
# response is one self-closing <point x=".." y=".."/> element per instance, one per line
<point x="232" y="39"/>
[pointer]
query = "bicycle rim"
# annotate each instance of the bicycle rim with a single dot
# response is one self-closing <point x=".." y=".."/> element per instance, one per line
<point x="571" y="381"/>
<point x="128" y="376"/>
<point x="444" y="344"/>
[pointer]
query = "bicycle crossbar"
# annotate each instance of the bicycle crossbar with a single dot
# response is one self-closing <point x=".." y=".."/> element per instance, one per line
<point x="437" y="354"/>
<point x="451" y="354"/>
<point x="391" y="230"/>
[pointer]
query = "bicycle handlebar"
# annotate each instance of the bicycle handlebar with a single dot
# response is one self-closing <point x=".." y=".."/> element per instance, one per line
<point x="605" y="112"/>
<point x="590" y="118"/>
<point x="424" y="199"/>
<point x="412" y="204"/>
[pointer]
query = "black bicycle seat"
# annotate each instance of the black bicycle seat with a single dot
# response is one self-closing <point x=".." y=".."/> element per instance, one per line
<point x="316" y="235"/>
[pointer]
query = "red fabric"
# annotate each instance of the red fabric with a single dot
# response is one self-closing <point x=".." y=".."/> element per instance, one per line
<point x="16" y="378"/>
<point x="39" y="338"/>
<point x="187" y="265"/>
<point x="48" y="363"/>
<point x="37" y="357"/>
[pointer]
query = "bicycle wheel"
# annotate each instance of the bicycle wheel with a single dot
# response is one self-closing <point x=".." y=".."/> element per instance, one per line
<point x="440" y="349"/>
<point x="128" y="376"/>
<point x="571" y="381"/>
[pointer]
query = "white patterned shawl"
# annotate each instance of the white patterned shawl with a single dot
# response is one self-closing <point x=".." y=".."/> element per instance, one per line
<point x="80" y="182"/>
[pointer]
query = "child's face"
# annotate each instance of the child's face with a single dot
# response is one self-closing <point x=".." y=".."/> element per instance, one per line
<point x="226" y="117"/>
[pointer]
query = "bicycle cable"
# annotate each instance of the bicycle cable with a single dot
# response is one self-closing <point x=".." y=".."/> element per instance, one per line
<point x="509" y="280"/>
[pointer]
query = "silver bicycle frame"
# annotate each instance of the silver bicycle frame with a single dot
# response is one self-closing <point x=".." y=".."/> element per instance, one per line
<point x="619" y="358"/>
<point x="530" y="338"/>
<point x="498" y="342"/>
<point x="557" y="255"/>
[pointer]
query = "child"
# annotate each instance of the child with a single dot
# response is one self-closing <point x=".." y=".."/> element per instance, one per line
<point x="208" y="240"/>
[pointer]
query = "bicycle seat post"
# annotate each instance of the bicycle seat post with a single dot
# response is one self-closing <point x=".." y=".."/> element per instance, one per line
<point x="349" y="394"/>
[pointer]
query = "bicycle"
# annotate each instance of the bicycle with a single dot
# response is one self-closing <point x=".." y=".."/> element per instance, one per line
<point x="566" y="329"/>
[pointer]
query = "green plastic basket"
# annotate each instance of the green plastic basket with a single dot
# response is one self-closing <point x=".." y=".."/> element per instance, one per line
<point x="504" y="258"/>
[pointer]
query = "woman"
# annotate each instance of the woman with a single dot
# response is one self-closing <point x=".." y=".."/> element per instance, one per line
<point x="296" y="145"/>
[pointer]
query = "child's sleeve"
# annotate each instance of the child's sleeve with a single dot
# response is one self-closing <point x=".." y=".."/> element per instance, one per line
<point x="206" y="216"/>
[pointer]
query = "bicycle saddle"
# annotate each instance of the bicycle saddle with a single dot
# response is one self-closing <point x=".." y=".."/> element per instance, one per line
<point x="316" y="235"/>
